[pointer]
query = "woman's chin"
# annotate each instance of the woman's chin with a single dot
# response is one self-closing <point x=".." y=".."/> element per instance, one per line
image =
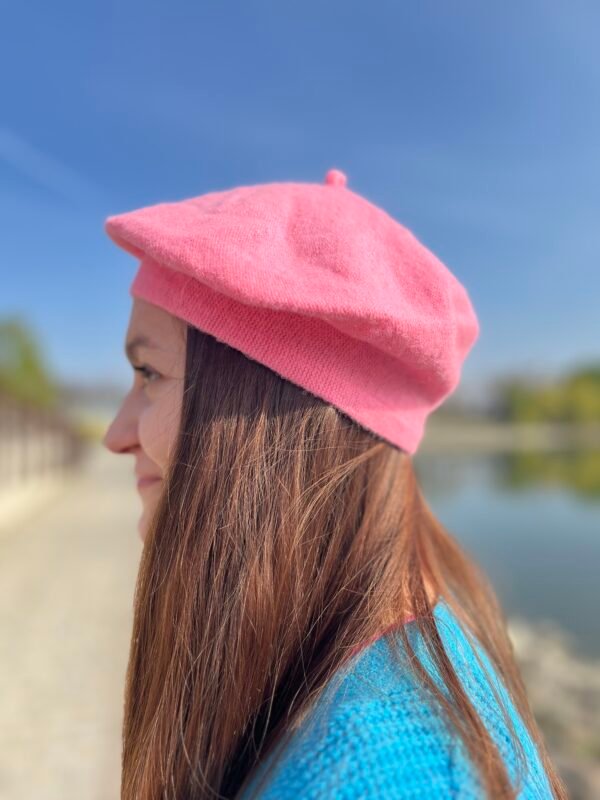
<point x="144" y="520"/>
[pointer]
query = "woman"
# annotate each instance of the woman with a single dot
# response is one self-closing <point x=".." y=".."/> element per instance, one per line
<point x="304" y="626"/>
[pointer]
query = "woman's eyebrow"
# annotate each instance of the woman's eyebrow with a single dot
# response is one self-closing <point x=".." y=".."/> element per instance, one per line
<point x="138" y="341"/>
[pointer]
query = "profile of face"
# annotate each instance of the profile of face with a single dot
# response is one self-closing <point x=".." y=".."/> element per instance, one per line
<point x="147" y="421"/>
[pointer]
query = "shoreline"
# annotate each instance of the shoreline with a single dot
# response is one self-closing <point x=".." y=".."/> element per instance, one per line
<point x="485" y="435"/>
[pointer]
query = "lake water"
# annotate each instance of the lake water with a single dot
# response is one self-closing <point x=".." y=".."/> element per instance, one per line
<point x="532" y="521"/>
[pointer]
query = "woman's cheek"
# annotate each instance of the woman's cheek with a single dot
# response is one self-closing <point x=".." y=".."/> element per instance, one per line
<point x="158" y="426"/>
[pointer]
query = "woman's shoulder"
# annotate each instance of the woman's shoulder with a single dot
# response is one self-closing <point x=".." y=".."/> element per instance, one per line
<point x="376" y="733"/>
<point x="366" y="746"/>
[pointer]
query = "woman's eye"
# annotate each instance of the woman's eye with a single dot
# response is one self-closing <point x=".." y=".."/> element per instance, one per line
<point x="147" y="373"/>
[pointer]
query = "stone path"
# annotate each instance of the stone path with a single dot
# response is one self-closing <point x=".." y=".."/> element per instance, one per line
<point x="67" y="576"/>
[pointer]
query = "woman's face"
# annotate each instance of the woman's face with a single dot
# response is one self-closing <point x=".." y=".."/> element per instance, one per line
<point x="147" y="422"/>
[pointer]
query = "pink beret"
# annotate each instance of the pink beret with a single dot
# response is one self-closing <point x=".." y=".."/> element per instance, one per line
<point x="316" y="283"/>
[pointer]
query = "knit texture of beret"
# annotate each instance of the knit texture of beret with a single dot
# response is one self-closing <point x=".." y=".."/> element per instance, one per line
<point x="318" y="284"/>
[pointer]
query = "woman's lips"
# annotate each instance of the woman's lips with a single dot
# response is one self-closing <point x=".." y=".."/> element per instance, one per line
<point x="143" y="482"/>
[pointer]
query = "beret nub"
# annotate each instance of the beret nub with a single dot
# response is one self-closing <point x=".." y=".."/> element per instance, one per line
<point x="336" y="177"/>
<point x="320" y="285"/>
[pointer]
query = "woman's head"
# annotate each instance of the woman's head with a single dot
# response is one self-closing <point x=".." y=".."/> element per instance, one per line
<point x="147" y="422"/>
<point x="282" y="535"/>
<point x="317" y="283"/>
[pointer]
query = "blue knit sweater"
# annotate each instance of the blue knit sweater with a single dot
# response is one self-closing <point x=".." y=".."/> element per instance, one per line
<point x="373" y="734"/>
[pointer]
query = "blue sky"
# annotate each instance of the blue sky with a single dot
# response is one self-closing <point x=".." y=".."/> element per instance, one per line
<point x="475" y="124"/>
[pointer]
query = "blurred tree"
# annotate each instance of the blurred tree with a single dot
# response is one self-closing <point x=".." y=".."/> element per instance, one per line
<point x="582" y="395"/>
<point x="575" y="398"/>
<point x="23" y="374"/>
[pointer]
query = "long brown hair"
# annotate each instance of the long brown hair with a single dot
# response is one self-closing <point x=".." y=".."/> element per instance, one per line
<point x="284" y="529"/>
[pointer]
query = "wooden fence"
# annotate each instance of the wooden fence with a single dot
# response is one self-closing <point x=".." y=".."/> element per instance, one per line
<point x="35" y="442"/>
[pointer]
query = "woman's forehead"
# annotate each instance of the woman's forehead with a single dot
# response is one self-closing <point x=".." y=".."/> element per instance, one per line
<point x="153" y="323"/>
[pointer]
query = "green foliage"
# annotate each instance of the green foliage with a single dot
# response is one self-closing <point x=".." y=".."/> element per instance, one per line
<point x="575" y="399"/>
<point x="23" y="374"/>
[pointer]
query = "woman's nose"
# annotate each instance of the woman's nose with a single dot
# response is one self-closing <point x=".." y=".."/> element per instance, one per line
<point x="121" y="434"/>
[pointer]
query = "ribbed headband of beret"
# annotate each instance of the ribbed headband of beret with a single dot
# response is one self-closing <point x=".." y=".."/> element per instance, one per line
<point x="318" y="284"/>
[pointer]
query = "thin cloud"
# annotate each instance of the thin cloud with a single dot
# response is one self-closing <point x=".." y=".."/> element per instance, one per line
<point x="43" y="169"/>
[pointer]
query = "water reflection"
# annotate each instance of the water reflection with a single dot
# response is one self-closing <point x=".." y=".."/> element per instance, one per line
<point x="575" y="470"/>
<point x="532" y="521"/>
